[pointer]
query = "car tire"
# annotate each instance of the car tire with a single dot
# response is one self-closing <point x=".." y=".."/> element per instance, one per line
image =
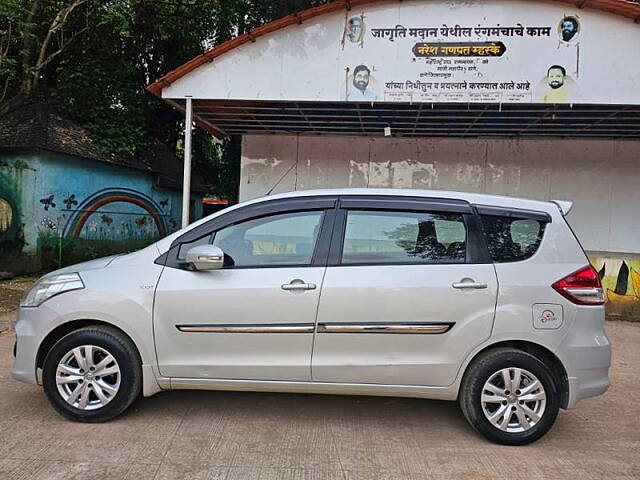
<point x="515" y="413"/>
<point x="103" y="364"/>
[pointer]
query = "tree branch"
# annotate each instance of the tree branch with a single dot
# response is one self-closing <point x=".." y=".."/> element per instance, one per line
<point x="26" y="33"/>
<point x="6" y="37"/>
<point x="64" y="44"/>
<point x="4" y="90"/>
<point x="58" y="22"/>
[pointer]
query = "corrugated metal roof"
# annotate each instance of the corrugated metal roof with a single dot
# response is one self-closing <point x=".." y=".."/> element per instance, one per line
<point x="420" y="119"/>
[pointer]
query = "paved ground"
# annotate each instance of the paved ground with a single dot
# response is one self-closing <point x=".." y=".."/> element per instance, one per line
<point x="224" y="435"/>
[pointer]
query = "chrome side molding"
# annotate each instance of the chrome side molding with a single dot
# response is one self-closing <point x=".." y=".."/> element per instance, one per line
<point x="373" y="327"/>
<point x="249" y="328"/>
<point x="328" y="327"/>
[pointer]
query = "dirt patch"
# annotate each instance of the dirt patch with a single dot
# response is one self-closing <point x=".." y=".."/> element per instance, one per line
<point x="11" y="292"/>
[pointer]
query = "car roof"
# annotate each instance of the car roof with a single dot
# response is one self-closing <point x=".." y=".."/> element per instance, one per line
<point x="473" y="198"/>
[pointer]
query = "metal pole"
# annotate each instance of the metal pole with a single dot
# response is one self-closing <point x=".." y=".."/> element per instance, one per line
<point x="60" y="250"/>
<point x="186" y="182"/>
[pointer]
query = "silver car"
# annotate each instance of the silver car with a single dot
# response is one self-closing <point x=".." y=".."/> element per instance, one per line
<point x="486" y="300"/>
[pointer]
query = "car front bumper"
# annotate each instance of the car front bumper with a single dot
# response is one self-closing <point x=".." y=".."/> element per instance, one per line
<point x="28" y="339"/>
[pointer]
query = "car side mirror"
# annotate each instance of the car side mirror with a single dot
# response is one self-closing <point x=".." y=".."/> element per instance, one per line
<point x="206" y="257"/>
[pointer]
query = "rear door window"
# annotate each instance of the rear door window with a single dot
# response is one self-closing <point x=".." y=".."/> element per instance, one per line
<point x="511" y="239"/>
<point x="392" y="237"/>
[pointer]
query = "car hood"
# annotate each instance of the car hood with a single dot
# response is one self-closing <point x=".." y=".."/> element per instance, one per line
<point x="84" y="266"/>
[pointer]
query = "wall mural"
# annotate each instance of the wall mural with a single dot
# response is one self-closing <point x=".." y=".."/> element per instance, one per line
<point x="111" y="220"/>
<point x="11" y="235"/>
<point x="621" y="283"/>
<point x="86" y="212"/>
<point x="6" y="215"/>
<point x="53" y="215"/>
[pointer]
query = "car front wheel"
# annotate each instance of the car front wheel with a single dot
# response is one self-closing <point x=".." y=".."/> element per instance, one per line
<point x="92" y="374"/>
<point x="509" y="396"/>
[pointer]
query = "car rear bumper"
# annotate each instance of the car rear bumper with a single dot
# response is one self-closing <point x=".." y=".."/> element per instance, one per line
<point x="586" y="354"/>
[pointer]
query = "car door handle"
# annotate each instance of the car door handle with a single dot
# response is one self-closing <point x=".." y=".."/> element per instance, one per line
<point x="473" y="285"/>
<point x="299" y="285"/>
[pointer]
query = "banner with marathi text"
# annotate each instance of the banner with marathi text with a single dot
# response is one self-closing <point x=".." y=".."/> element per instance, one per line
<point x="435" y="51"/>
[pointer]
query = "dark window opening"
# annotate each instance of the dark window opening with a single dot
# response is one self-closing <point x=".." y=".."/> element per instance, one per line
<point x="512" y="239"/>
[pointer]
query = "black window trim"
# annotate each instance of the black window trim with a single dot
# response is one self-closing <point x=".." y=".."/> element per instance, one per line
<point x="518" y="213"/>
<point x="325" y="203"/>
<point x="476" y="251"/>
<point x="407" y="204"/>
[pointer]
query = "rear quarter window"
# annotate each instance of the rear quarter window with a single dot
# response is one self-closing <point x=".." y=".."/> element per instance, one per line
<point x="512" y="239"/>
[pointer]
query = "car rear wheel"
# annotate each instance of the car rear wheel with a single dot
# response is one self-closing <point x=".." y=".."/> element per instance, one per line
<point x="509" y="396"/>
<point x="92" y="374"/>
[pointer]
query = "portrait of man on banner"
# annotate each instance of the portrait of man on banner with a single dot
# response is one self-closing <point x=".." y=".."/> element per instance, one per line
<point x="558" y="88"/>
<point x="568" y="28"/>
<point x="355" y="29"/>
<point x="361" y="81"/>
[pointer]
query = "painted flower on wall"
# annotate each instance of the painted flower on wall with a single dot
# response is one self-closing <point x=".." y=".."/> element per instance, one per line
<point x="47" y="222"/>
<point x="48" y="202"/>
<point x="70" y="201"/>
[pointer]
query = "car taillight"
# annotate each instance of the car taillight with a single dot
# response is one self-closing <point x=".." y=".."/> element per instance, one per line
<point x="582" y="287"/>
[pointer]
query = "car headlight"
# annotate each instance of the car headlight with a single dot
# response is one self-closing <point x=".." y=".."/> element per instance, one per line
<point x="47" y="287"/>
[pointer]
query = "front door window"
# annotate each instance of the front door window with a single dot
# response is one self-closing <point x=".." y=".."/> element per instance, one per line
<point x="276" y="240"/>
<point x="286" y="239"/>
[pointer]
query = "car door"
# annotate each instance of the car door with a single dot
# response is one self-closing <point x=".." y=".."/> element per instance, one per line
<point x="254" y="318"/>
<point x="408" y="293"/>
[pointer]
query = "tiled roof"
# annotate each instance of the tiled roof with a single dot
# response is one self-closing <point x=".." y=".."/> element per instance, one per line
<point x="36" y="126"/>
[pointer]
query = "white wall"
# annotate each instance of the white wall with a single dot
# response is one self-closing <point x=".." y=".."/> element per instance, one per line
<point x="602" y="177"/>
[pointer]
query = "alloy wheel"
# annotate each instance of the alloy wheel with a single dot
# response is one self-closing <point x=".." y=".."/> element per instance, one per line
<point x="88" y="377"/>
<point x="513" y="400"/>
